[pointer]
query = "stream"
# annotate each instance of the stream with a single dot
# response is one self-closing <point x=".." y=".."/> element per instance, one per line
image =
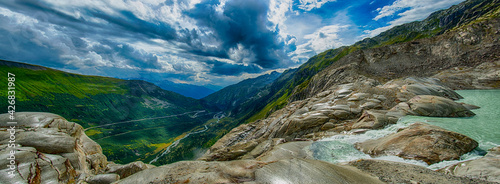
<point x="484" y="128"/>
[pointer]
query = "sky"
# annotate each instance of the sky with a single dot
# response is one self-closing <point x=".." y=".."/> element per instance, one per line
<point x="200" y="42"/>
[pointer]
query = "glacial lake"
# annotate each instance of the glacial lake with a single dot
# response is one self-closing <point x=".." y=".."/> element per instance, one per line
<point x="484" y="127"/>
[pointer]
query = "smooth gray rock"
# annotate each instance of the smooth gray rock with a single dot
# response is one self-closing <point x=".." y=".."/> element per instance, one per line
<point x="420" y="141"/>
<point x="45" y="140"/>
<point x="372" y="119"/>
<point x="103" y="179"/>
<point x="287" y="150"/>
<point x="238" y="171"/>
<point x="398" y="172"/>
<point x="263" y="147"/>
<point x="430" y="86"/>
<point x="328" y="125"/>
<point x="486" y="168"/>
<point x="434" y="106"/>
<point x="49" y="149"/>
<point x="128" y="169"/>
<point x="311" y="171"/>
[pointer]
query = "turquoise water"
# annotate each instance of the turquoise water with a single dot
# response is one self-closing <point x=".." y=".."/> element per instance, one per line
<point x="484" y="128"/>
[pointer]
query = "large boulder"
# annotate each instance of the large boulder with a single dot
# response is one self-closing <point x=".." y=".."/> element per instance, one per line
<point x="103" y="179"/>
<point x="128" y="169"/>
<point x="251" y="171"/>
<point x="434" y="106"/>
<point x="262" y="147"/>
<point x="44" y="140"/>
<point x="197" y="172"/>
<point x="420" y="141"/>
<point x="486" y="168"/>
<point x="376" y="119"/>
<point x="311" y="171"/>
<point x="287" y="150"/>
<point x="429" y="86"/>
<point x="48" y="149"/>
<point x="398" y="172"/>
<point x="484" y="76"/>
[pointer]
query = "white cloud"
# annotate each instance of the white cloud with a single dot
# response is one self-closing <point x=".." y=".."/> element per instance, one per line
<point x="277" y="14"/>
<point x="308" y="5"/>
<point x="412" y="10"/>
<point x="325" y="38"/>
<point x="240" y="54"/>
<point x="220" y="8"/>
<point x="417" y="9"/>
<point x="375" y="32"/>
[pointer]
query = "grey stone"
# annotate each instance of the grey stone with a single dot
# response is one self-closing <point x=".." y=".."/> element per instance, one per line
<point x="311" y="171"/>
<point x="103" y="179"/>
<point x="421" y="141"/>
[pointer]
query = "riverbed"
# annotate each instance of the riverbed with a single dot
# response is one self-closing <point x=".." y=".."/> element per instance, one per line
<point x="484" y="128"/>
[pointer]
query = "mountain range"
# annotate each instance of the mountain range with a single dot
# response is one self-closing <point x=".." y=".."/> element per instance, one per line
<point x="187" y="90"/>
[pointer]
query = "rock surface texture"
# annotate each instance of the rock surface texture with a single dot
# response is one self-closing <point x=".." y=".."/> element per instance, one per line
<point x="487" y="167"/>
<point x="250" y="171"/>
<point x="342" y="108"/>
<point x="421" y="141"/>
<point x="397" y="172"/>
<point x="49" y="149"/>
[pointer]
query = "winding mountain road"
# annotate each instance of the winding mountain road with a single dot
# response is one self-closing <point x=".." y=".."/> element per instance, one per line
<point x="217" y="116"/>
<point x="116" y="123"/>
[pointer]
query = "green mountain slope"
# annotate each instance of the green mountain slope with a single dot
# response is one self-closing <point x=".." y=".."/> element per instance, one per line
<point x="231" y="97"/>
<point x="293" y="88"/>
<point x="110" y="104"/>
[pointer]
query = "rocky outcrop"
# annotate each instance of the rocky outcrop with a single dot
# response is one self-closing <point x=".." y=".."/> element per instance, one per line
<point x="126" y="170"/>
<point x="397" y="172"/>
<point x="483" y="76"/>
<point x="296" y="121"/>
<point x="48" y="149"/>
<point x="311" y="171"/>
<point x="198" y="172"/>
<point x="424" y="86"/>
<point x="102" y="179"/>
<point x="486" y="168"/>
<point x="289" y="150"/>
<point x="366" y="104"/>
<point x="420" y="141"/>
<point x="376" y="119"/>
<point x="251" y="171"/>
<point x="466" y="47"/>
<point x="433" y="106"/>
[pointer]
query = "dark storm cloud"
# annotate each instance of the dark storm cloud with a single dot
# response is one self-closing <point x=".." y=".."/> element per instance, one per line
<point x="22" y="48"/>
<point x="194" y="44"/>
<point x="32" y="42"/>
<point x="124" y="52"/>
<point x="128" y="21"/>
<point x="124" y="23"/>
<point x="241" y="23"/>
<point x="87" y="39"/>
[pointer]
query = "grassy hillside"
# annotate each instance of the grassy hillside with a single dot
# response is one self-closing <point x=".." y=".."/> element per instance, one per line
<point x="96" y="101"/>
<point x="231" y="97"/>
